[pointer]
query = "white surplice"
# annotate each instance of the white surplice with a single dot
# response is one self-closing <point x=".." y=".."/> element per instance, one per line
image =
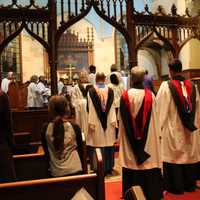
<point x="178" y="144"/>
<point x="97" y="137"/>
<point x="152" y="146"/>
<point x="118" y="90"/>
<point x="80" y="104"/>
<point x="60" y="87"/>
<point x="34" y="97"/>
<point x="5" y="85"/>
<point x="45" y="93"/>
<point x="92" y="78"/>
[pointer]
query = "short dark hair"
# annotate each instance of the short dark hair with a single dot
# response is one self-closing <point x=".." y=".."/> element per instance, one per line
<point x="100" y="76"/>
<point x="113" y="68"/>
<point x="92" y="69"/>
<point x="114" y="79"/>
<point x="175" y="65"/>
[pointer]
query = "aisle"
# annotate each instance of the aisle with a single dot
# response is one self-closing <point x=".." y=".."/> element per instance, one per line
<point x="114" y="191"/>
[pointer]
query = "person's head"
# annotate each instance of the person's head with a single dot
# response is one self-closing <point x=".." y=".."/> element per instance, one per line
<point x="175" y="67"/>
<point x="114" y="79"/>
<point x="113" y="68"/>
<point x="41" y="79"/>
<point x="100" y="77"/>
<point x="10" y="75"/>
<point x="83" y="77"/>
<point x="58" y="107"/>
<point x="61" y="80"/>
<point x="137" y="77"/>
<point x="34" y="79"/>
<point x="146" y="72"/>
<point x="92" y="69"/>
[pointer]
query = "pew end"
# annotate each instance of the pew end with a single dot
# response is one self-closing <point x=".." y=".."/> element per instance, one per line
<point x="84" y="154"/>
<point x="135" y="193"/>
<point x="31" y="165"/>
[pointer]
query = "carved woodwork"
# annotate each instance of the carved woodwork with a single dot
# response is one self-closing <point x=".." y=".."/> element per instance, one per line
<point x="75" y="51"/>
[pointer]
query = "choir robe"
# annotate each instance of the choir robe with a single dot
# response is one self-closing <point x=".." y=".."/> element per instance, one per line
<point x="45" y="93"/>
<point x="101" y="134"/>
<point x="79" y="101"/>
<point x="179" y="145"/>
<point x="149" y="171"/>
<point x="60" y="87"/>
<point x="97" y="136"/>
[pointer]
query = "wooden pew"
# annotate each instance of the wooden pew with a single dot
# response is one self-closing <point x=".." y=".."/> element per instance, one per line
<point x="135" y="193"/>
<point x="17" y="93"/>
<point x="30" y="121"/>
<point x="23" y="144"/>
<point x="29" y="166"/>
<point x="62" y="188"/>
<point x="13" y="93"/>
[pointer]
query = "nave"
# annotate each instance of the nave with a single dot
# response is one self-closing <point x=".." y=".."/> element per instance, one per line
<point x="89" y="83"/>
<point x="113" y="189"/>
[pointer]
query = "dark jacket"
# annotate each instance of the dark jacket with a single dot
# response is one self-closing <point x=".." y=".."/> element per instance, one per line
<point x="6" y="161"/>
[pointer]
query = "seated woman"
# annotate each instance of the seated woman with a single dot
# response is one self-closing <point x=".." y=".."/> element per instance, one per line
<point x="61" y="140"/>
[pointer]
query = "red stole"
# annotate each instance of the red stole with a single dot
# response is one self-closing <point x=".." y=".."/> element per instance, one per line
<point x="186" y="102"/>
<point x="138" y="123"/>
<point x="186" y="106"/>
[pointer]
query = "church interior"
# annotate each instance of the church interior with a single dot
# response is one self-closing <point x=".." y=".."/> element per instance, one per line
<point x="65" y="50"/>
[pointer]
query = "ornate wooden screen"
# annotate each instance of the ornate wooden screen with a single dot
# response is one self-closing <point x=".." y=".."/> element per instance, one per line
<point x="74" y="51"/>
<point x="43" y="23"/>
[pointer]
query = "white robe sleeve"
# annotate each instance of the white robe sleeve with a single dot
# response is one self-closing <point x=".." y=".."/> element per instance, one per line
<point x="113" y="117"/>
<point x="163" y="103"/>
<point x="91" y="118"/>
<point x="197" y="107"/>
<point x="5" y="85"/>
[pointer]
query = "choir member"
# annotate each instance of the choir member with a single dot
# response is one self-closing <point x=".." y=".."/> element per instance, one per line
<point x="92" y="74"/>
<point x="6" y="81"/>
<point x="79" y="101"/>
<point x="178" y="107"/>
<point x="102" y="122"/>
<point x="139" y="132"/>
<point x="34" y="97"/>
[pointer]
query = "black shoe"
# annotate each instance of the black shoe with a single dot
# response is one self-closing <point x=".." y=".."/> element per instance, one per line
<point x="175" y="191"/>
<point x="191" y="189"/>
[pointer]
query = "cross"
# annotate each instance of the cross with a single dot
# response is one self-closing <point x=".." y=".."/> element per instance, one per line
<point x="70" y="71"/>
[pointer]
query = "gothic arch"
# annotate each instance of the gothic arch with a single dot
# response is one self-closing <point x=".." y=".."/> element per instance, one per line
<point x="100" y="11"/>
<point x="181" y="46"/>
<point x="24" y="26"/>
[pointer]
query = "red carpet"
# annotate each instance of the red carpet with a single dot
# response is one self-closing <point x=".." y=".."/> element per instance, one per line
<point x="114" y="191"/>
